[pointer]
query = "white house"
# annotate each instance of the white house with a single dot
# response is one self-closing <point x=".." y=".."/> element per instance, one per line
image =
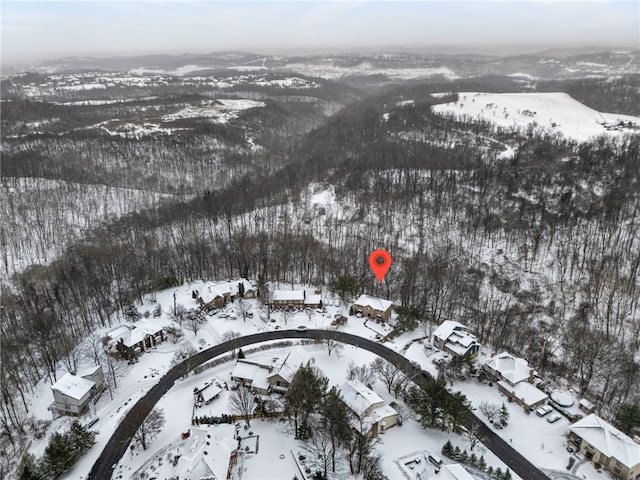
<point x="373" y="416"/>
<point x="508" y="368"/>
<point x="223" y="292"/>
<point x="455" y="338"/>
<point x="602" y="443"/>
<point x="515" y="379"/>
<point x="72" y="394"/>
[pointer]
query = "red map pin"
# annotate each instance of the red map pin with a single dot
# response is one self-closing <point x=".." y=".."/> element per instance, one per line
<point x="380" y="262"/>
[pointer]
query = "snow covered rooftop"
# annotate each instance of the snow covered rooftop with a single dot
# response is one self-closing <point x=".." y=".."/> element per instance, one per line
<point x="286" y="295"/>
<point x="211" y="447"/>
<point x="230" y="288"/>
<point x="246" y="371"/>
<point x="291" y="363"/>
<point x="358" y="397"/>
<point x="313" y="299"/>
<point x="374" y="302"/>
<point x="88" y="371"/>
<point x="512" y="369"/>
<point x="456" y="336"/>
<point x="526" y="392"/>
<point x="608" y="440"/>
<point x="454" y="472"/>
<point x="132" y="334"/>
<point x="210" y="391"/>
<point x="73" y="386"/>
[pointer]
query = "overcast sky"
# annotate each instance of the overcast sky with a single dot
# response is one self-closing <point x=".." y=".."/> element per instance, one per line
<point x="44" y="29"/>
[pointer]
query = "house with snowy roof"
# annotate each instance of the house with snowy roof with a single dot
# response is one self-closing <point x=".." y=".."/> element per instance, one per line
<point x="205" y="454"/>
<point x="282" y="299"/>
<point x="508" y="368"/>
<point x="515" y="379"/>
<point x="372" y="415"/>
<point x="222" y="293"/>
<point x="604" y="444"/>
<point x="207" y="394"/>
<point x="132" y="340"/>
<point x="72" y="394"/>
<point x="372" y="307"/>
<point x="454" y="471"/>
<point x="454" y="337"/>
<point x="270" y="374"/>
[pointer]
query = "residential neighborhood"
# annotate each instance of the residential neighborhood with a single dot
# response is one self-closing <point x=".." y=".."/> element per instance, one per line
<point x="221" y="450"/>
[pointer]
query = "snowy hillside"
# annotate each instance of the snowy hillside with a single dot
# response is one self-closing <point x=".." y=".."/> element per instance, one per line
<point x="554" y="112"/>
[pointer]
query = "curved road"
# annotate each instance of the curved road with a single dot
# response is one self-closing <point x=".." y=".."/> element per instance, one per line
<point x="119" y="441"/>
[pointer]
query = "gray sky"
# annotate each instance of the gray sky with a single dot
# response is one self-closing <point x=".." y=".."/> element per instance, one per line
<point x="36" y="30"/>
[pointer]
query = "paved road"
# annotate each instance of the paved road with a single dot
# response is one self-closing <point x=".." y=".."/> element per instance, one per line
<point x="117" y="445"/>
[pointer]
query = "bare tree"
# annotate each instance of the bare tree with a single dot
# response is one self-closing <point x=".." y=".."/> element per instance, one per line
<point x="194" y="321"/>
<point x="231" y="335"/>
<point x="184" y="355"/>
<point x="92" y="348"/>
<point x="243" y="402"/>
<point x="286" y="315"/>
<point x="173" y="333"/>
<point x="320" y="449"/>
<point x="243" y="307"/>
<point x="333" y="346"/>
<point x="362" y="373"/>
<point x="150" y="427"/>
<point x="388" y="373"/>
<point x="489" y="410"/>
<point x="471" y="435"/>
<point x="178" y="314"/>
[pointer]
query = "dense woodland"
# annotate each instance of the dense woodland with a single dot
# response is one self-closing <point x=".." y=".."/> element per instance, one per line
<point x="539" y="252"/>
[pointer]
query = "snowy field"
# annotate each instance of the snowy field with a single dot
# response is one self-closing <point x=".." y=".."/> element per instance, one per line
<point x="553" y="112"/>
<point x="542" y="443"/>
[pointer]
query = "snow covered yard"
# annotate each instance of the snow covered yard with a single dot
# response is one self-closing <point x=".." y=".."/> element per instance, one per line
<point x="553" y="112"/>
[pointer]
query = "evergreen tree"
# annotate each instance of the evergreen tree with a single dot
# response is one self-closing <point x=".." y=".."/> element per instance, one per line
<point x="504" y="414"/>
<point x="497" y="474"/>
<point x="29" y="469"/>
<point x="59" y="456"/>
<point x="507" y="475"/>
<point x="628" y="418"/>
<point x="80" y="439"/>
<point x="447" y="449"/>
<point x="240" y="354"/>
<point x="473" y="460"/>
<point x="482" y="463"/>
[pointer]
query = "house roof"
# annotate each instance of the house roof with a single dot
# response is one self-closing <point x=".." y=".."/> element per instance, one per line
<point x="288" y="295"/>
<point x="132" y="334"/>
<point x="512" y="369"/>
<point x="454" y="471"/>
<point x="230" y="288"/>
<point x="607" y="439"/>
<point x="247" y="371"/>
<point x="376" y="303"/>
<point x="447" y="327"/>
<point x="313" y="299"/>
<point x="210" y="391"/>
<point x="73" y="386"/>
<point x="88" y="371"/>
<point x="211" y="447"/>
<point x="358" y="397"/>
<point x="456" y="336"/>
<point x="291" y="364"/>
<point x="525" y="391"/>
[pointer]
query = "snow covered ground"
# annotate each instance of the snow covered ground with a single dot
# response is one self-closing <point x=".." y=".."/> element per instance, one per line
<point x="542" y="443"/>
<point x="553" y="112"/>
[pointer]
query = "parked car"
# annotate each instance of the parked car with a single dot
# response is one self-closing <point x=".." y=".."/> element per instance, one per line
<point x="301" y="328"/>
<point x="544" y="410"/>
<point x="92" y="421"/>
<point x="553" y="418"/>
